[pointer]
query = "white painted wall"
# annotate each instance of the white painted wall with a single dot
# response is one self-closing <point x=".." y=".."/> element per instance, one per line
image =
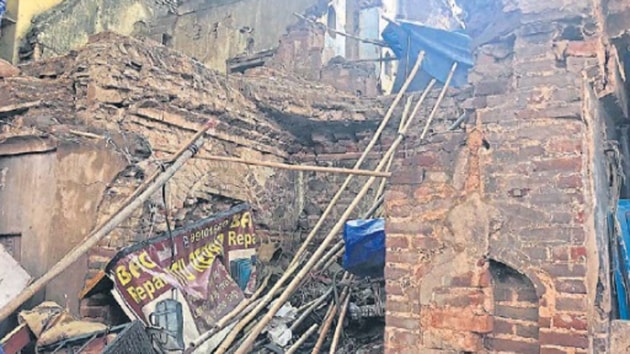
<point x="335" y="46"/>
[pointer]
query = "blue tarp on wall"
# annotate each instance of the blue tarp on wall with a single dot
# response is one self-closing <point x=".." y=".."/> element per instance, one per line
<point x="621" y="259"/>
<point x="365" y="247"/>
<point x="442" y="48"/>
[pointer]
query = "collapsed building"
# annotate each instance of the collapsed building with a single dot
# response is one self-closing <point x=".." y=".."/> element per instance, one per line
<point x="500" y="214"/>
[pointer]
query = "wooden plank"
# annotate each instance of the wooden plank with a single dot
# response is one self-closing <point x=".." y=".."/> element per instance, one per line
<point x="17" y="340"/>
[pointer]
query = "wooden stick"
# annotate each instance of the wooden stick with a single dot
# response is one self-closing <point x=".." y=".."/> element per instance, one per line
<point x="19" y="106"/>
<point x="338" y="329"/>
<point x="292" y="349"/>
<point x="330" y="316"/>
<point x="86" y="134"/>
<point x="297" y="259"/>
<point x="291" y="167"/>
<point x="96" y="236"/>
<point x="381" y="187"/>
<point x="304" y="270"/>
<point x="310" y="309"/>
<point x="219" y="325"/>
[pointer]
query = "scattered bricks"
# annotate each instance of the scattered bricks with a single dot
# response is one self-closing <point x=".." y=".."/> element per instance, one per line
<point x="511" y="345"/>
<point x="565" y="270"/>
<point x="393" y="241"/>
<point x="526" y="331"/>
<point x="570" y="321"/>
<point x="573" y="304"/>
<point x="516" y="313"/>
<point x="574" y="340"/>
<point x="571" y="286"/>
<point x="585" y="49"/>
<point x="402" y="322"/>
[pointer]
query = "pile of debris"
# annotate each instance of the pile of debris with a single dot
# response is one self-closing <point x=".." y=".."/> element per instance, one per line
<point x="211" y="286"/>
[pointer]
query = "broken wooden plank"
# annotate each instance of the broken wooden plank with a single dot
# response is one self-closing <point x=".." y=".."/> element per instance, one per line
<point x="17" y="340"/>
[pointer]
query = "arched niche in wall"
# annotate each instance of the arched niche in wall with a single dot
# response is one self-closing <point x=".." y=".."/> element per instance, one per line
<point x="331" y="21"/>
<point x="516" y="308"/>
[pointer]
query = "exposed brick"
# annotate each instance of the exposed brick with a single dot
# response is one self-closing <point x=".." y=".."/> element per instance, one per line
<point x="560" y="253"/>
<point x="463" y="319"/>
<point x="393" y="288"/>
<point x="495" y="87"/>
<point x="517" y="313"/>
<point x="587" y="48"/>
<point x="398" y="321"/>
<point x="574" y="340"/>
<point x="399" y="306"/>
<point x="550" y="350"/>
<point x="512" y="346"/>
<point x="570" y="321"/>
<point x="571" y="286"/>
<point x="397" y="241"/>
<point x="565" y="270"/>
<point x="392" y="273"/>
<point x="559" y="164"/>
<point x="572" y="181"/>
<point x="574" y="304"/>
<point x="578" y="253"/>
<point x="425" y="243"/>
<point x="502" y="326"/>
<point x="408" y="257"/>
<point x="527" y="331"/>
<point x="401" y="337"/>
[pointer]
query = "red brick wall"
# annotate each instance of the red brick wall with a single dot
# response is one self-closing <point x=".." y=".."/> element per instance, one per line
<point x="491" y="240"/>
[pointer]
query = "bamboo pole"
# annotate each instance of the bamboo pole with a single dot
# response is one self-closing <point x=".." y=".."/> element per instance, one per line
<point x="364" y="40"/>
<point x="338" y="329"/>
<point x="364" y="155"/>
<point x="298" y="256"/>
<point x="227" y="318"/>
<point x="310" y="309"/>
<point x="103" y="231"/>
<point x="291" y="167"/>
<point x="292" y="349"/>
<point x="251" y="338"/>
<point x="330" y="316"/>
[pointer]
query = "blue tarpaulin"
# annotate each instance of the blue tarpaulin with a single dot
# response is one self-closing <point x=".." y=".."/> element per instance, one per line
<point x="365" y="247"/>
<point x="442" y="49"/>
<point x="621" y="259"/>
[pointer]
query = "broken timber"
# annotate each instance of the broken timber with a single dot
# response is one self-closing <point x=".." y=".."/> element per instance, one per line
<point x="141" y="195"/>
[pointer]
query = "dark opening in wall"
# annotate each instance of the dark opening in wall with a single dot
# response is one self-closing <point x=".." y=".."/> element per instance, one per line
<point x="515" y="312"/>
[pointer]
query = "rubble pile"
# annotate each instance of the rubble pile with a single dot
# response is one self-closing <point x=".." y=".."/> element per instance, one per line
<point x="141" y="101"/>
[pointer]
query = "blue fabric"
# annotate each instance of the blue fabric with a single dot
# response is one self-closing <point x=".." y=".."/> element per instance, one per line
<point x="365" y="247"/>
<point x="621" y="259"/>
<point x="442" y="49"/>
<point x="3" y="9"/>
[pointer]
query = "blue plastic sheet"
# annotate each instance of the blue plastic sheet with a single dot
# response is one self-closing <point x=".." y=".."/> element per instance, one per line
<point x="621" y="259"/>
<point x="442" y="49"/>
<point x="3" y="8"/>
<point x="365" y="247"/>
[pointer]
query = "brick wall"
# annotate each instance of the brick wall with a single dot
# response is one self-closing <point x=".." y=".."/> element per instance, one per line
<point x="492" y="242"/>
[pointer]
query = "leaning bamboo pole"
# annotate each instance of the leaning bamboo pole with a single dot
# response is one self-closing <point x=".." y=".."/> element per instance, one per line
<point x="338" y="329"/>
<point x="302" y="339"/>
<point x="298" y="256"/>
<point x="111" y="224"/>
<point x="357" y="165"/>
<point x="328" y="319"/>
<point x="304" y="270"/>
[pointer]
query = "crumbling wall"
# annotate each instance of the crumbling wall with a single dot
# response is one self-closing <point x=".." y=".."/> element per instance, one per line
<point x="210" y="31"/>
<point x="140" y="102"/>
<point x="514" y="191"/>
